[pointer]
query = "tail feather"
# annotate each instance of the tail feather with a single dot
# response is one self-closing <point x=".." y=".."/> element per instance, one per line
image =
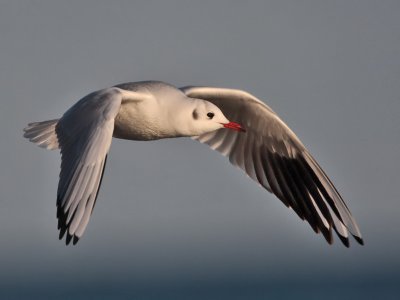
<point x="43" y="134"/>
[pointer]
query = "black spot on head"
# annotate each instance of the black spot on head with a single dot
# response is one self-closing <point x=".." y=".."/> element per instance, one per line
<point x="195" y="114"/>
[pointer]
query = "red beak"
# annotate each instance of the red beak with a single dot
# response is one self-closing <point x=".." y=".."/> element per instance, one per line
<point x="234" y="126"/>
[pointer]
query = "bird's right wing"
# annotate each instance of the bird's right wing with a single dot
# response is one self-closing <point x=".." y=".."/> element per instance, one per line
<point x="84" y="135"/>
<point x="272" y="155"/>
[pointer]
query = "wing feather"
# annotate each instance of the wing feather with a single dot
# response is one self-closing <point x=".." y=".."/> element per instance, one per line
<point x="272" y="155"/>
<point x="84" y="134"/>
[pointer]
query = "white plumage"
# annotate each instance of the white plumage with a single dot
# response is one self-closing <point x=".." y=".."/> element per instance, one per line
<point x="269" y="152"/>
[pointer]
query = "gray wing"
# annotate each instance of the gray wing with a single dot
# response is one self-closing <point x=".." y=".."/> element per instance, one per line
<point x="272" y="155"/>
<point x="84" y="135"/>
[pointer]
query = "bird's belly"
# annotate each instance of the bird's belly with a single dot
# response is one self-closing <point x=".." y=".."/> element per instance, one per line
<point x="136" y="124"/>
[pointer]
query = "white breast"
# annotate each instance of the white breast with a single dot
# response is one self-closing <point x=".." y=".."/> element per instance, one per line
<point x="138" y="121"/>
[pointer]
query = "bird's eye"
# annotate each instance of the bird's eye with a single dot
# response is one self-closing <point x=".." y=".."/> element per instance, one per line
<point x="210" y="115"/>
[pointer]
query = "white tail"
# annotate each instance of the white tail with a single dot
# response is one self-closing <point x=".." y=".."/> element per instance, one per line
<point x="43" y="134"/>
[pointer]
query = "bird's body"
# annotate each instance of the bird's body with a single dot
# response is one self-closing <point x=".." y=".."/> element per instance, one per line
<point x="269" y="152"/>
<point x="149" y="127"/>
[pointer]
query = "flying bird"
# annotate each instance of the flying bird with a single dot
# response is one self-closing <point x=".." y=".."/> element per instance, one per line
<point x="232" y="122"/>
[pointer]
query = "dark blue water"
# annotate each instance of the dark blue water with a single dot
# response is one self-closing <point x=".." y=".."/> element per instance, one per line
<point x="228" y="290"/>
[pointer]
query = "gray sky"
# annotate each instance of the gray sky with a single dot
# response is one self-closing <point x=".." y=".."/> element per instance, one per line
<point x="172" y="212"/>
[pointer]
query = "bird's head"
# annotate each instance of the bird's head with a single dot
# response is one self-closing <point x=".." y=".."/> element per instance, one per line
<point x="204" y="117"/>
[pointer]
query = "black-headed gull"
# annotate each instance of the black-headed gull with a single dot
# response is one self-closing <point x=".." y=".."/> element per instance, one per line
<point x="258" y="142"/>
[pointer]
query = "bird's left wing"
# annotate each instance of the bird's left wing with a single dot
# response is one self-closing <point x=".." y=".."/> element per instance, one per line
<point x="272" y="155"/>
<point x="84" y="135"/>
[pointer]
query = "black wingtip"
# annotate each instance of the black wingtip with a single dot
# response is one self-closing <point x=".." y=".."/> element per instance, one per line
<point x="329" y="239"/>
<point x="344" y="240"/>
<point x="359" y="240"/>
<point x="68" y="239"/>
<point x="327" y="233"/>
<point x="62" y="233"/>
<point x="75" y="240"/>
